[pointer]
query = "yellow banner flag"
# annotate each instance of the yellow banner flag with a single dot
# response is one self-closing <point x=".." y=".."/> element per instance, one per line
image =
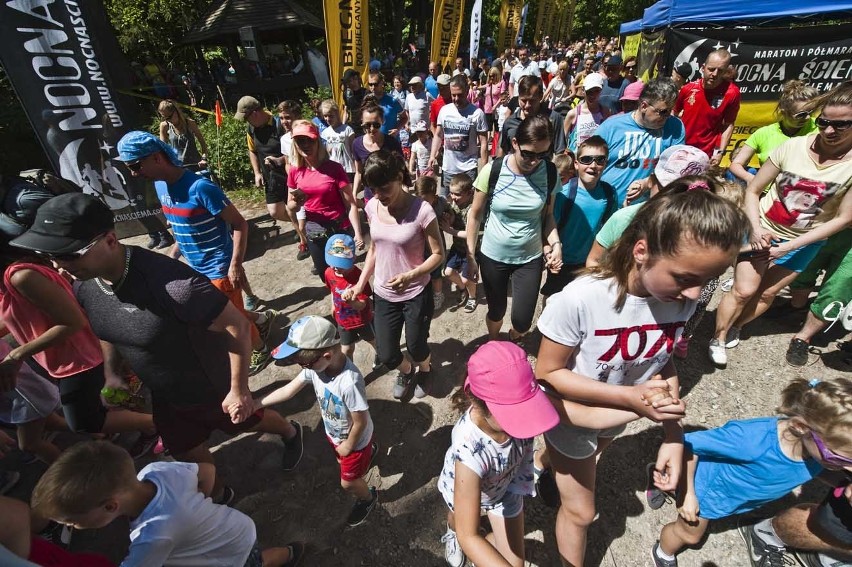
<point x="510" y="23"/>
<point x="446" y="31"/>
<point x="347" y="34"/>
<point x="546" y="14"/>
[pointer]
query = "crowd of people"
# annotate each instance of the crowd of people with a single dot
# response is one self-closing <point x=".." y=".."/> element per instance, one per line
<point x="557" y="165"/>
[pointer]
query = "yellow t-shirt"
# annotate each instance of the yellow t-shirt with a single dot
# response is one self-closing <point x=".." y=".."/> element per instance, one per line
<point x="790" y="207"/>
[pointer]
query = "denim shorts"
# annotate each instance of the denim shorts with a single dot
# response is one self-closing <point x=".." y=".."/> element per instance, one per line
<point x="578" y="442"/>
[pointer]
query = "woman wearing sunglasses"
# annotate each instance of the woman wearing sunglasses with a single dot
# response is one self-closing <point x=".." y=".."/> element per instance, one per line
<point x="372" y="118"/>
<point x="322" y="187"/>
<point x="520" y="236"/>
<point x="38" y="308"/>
<point x="807" y="201"/>
<point x="794" y="119"/>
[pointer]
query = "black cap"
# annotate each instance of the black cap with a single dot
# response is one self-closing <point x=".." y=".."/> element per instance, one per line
<point x="66" y="223"/>
<point x="684" y="70"/>
<point x="615" y="61"/>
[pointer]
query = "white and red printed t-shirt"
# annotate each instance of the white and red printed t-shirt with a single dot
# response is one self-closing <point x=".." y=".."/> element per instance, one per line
<point x="796" y="198"/>
<point x="625" y="348"/>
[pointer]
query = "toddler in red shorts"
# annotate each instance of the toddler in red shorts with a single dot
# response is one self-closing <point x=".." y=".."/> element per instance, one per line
<point x="342" y="395"/>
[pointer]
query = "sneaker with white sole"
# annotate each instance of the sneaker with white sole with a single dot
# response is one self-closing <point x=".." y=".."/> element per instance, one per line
<point x="266" y="327"/>
<point x="717" y="353"/>
<point x="653" y="495"/>
<point x="362" y="508"/>
<point x="659" y="561"/>
<point x="403" y="383"/>
<point x="732" y="339"/>
<point x="452" y="550"/>
<point x="762" y="554"/>
<point x="727" y="285"/>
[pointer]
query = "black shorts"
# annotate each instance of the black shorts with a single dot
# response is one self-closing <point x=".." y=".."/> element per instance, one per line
<point x="834" y="517"/>
<point x="275" y="188"/>
<point x="184" y="428"/>
<point x="80" y="395"/>
<point x="492" y="124"/>
<point x="457" y="261"/>
<point x="351" y="336"/>
<point x="557" y="282"/>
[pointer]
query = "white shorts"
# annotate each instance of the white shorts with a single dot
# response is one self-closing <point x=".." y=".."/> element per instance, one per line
<point x="578" y="442"/>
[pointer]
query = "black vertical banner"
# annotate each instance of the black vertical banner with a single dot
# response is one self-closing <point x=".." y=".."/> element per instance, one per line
<point x="66" y="67"/>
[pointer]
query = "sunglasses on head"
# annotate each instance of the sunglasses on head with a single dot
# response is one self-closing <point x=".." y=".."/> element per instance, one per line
<point x="71" y="256"/>
<point x="587" y="160"/>
<point x="369" y="125"/>
<point x="823" y="123"/>
<point x="829" y="456"/>
<point x="532" y="156"/>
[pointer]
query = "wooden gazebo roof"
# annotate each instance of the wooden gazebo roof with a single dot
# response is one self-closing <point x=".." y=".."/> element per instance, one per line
<point x="223" y="20"/>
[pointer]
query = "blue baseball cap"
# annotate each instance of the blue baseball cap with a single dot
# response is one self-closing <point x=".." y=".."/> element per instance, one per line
<point x="340" y="251"/>
<point x="137" y="144"/>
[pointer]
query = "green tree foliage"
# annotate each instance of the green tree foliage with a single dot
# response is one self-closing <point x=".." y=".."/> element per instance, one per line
<point x="155" y="27"/>
<point x="21" y="149"/>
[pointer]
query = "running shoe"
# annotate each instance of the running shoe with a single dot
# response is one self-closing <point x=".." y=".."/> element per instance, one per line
<point x="293" y="448"/>
<point x="362" y="508"/>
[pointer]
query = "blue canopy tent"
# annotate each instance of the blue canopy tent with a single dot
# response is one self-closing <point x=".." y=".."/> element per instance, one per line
<point x="628" y="28"/>
<point x="674" y="13"/>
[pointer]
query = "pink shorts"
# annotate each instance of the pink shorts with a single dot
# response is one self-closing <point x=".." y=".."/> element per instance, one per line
<point x="356" y="464"/>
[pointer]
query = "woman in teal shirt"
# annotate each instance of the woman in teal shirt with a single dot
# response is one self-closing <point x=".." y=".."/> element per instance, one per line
<point x="794" y="120"/>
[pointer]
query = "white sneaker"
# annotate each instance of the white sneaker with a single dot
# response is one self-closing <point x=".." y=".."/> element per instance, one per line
<point x="452" y="550"/>
<point x="718" y="354"/>
<point x="727" y="285"/>
<point x="732" y="339"/>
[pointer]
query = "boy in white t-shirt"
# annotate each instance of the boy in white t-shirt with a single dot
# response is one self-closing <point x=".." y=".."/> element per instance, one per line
<point x="173" y="521"/>
<point x="421" y="148"/>
<point x="342" y="396"/>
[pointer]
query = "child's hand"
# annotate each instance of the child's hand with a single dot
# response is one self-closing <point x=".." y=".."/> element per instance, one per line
<point x="668" y="466"/>
<point x="344" y="449"/>
<point x="233" y="411"/>
<point x="689" y="509"/>
<point x="348" y="294"/>
<point x="657" y="401"/>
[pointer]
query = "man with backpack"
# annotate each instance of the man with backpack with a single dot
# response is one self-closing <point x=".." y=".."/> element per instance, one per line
<point x="263" y="136"/>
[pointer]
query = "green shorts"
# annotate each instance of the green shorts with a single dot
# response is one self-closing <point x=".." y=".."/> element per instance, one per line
<point x="835" y="258"/>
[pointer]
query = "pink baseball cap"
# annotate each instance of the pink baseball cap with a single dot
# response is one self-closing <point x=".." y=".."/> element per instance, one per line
<point x="499" y="374"/>
<point x="305" y="128"/>
<point x="633" y="91"/>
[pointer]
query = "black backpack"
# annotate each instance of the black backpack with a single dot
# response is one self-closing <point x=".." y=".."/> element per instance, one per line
<point x="496" y="166"/>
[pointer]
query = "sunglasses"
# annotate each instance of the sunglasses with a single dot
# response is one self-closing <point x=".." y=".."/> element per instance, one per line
<point x="829" y="456"/>
<point x="134" y="166"/>
<point x="801" y="115"/>
<point x="533" y="156"/>
<point x="369" y="125"/>
<point x="71" y="256"/>
<point x="309" y="363"/>
<point x="587" y="160"/>
<point x="839" y="125"/>
<point x="374" y="84"/>
<point x="660" y="113"/>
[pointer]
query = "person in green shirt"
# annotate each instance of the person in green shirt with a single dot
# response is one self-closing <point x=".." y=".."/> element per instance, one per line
<point x="793" y="120"/>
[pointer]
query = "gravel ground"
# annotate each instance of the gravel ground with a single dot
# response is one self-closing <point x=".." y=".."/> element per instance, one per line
<point x="404" y="530"/>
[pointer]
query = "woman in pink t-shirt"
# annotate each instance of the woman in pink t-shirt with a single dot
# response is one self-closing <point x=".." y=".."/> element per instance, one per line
<point x="401" y="225"/>
<point x="38" y="308"/>
<point x="322" y="187"/>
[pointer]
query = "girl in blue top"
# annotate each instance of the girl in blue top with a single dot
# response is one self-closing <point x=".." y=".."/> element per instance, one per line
<point x="745" y="464"/>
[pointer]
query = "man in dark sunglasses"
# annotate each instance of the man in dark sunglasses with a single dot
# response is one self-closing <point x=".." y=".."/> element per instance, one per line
<point x="183" y="338"/>
<point x="709" y="106"/>
<point x="391" y="106"/>
<point x="637" y="139"/>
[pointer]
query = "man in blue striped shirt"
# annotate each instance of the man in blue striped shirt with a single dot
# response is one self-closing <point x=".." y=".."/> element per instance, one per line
<point x="203" y="220"/>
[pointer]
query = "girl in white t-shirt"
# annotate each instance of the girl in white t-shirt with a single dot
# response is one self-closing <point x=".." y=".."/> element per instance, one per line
<point x="338" y="137"/>
<point x="608" y="338"/>
<point x="489" y="465"/>
<point x="421" y="148"/>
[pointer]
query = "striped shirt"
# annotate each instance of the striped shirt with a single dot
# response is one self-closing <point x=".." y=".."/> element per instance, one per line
<point x="192" y="205"/>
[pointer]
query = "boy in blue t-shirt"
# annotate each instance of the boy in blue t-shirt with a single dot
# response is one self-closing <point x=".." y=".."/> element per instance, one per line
<point x="580" y="208"/>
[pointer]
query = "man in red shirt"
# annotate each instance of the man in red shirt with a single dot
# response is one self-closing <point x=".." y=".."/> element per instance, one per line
<point x="709" y="105"/>
<point x="443" y="82"/>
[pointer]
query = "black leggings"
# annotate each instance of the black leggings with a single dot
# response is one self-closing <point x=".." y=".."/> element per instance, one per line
<point x="526" y="279"/>
<point x="415" y="315"/>
<point x="81" y="400"/>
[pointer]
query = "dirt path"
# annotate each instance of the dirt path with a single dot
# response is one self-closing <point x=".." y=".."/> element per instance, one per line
<point x="405" y="530"/>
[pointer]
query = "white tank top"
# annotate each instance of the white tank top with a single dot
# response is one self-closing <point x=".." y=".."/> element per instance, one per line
<point x="585" y="125"/>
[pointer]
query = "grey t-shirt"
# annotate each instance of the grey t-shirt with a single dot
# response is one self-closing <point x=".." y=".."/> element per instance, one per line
<point x="158" y="322"/>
